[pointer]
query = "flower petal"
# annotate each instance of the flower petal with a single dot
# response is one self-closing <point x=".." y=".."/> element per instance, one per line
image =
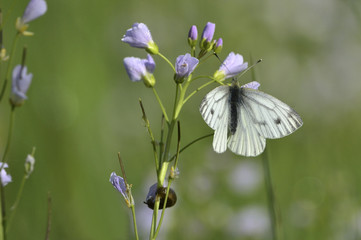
<point x="185" y="65"/>
<point x="119" y="184"/>
<point x="138" y="36"/>
<point x="35" y="9"/>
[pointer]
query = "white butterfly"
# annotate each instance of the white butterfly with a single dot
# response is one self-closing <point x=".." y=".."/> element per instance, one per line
<point x="244" y="117"/>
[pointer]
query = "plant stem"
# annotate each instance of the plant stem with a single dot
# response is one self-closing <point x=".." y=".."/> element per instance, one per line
<point x="163" y="211"/>
<point x="48" y="220"/>
<point x="165" y="162"/>
<point x="160" y="104"/>
<point x="270" y="195"/>
<point x="7" y="147"/>
<point x="7" y="75"/>
<point x="3" y="212"/>
<point x="16" y="203"/>
<point x="166" y="59"/>
<point x="198" y="89"/>
<point x="190" y="144"/>
<point x="135" y="223"/>
<point x="150" y="132"/>
<point x="2" y="191"/>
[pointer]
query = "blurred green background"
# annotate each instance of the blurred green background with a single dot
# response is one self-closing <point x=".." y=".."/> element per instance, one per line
<point x="83" y="109"/>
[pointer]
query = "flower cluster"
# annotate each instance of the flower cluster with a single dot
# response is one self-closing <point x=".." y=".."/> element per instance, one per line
<point x="138" y="69"/>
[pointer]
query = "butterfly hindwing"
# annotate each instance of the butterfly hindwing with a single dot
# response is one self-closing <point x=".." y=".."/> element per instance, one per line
<point x="246" y="140"/>
<point x="271" y="117"/>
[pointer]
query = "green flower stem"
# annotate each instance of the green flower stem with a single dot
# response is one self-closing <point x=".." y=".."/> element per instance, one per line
<point x="155" y="217"/>
<point x="7" y="147"/>
<point x="147" y="124"/>
<point x="197" y="90"/>
<point x="170" y="179"/>
<point x="181" y="98"/>
<point x="4" y="160"/>
<point x="161" y="143"/>
<point x="1" y="226"/>
<point x="193" y="51"/>
<point x="163" y="211"/>
<point x="270" y="195"/>
<point x="7" y="74"/>
<point x="166" y="59"/>
<point x="135" y="223"/>
<point x="48" y="220"/>
<point x="3" y="212"/>
<point x="165" y="162"/>
<point x="160" y="104"/>
<point x="16" y="203"/>
<point x="190" y="144"/>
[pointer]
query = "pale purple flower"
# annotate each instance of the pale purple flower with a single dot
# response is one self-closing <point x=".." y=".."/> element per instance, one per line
<point x="5" y="178"/>
<point x="35" y="9"/>
<point x="20" y="85"/>
<point x="208" y="31"/>
<point x="119" y="184"/>
<point x="184" y="66"/>
<point x="139" y="36"/>
<point x="138" y="69"/>
<point x="254" y="85"/>
<point x="231" y="66"/>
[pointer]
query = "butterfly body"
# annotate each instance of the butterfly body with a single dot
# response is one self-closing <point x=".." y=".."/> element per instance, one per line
<point x="244" y="117"/>
<point x="234" y="99"/>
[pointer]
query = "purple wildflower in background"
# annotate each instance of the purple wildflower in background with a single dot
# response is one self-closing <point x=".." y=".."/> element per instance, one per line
<point x="231" y="66"/>
<point x="35" y="9"/>
<point x="20" y="85"/>
<point x="139" y="36"/>
<point x="184" y="66"/>
<point x="138" y="69"/>
<point x="5" y="178"/>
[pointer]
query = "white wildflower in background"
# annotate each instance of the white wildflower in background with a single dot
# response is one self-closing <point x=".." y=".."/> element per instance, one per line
<point x="5" y="178"/>
<point x="29" y="165"/>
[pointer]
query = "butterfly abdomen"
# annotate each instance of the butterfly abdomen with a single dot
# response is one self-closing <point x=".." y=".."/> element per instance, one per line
<point x="234" y="96"/>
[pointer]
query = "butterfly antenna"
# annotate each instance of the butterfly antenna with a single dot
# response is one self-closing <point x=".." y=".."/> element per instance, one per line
<point x="250" y="67"/>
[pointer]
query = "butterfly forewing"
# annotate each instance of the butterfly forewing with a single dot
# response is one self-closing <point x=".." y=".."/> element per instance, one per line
<point x="214" y="106"/>
<point x="214" y="110"/>
<point x="271" y="117"/>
